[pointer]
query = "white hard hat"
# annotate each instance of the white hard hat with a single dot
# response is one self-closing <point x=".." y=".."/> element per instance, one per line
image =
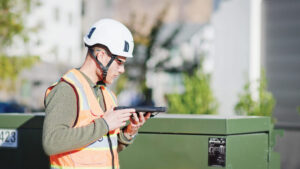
<point x="112" y="34"/>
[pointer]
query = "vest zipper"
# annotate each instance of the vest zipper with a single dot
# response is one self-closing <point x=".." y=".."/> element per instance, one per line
<point x="111" y="151"/>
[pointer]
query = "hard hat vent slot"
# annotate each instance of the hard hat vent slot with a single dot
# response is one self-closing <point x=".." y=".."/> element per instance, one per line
<point x="91" y="32"/>
<point x="126" y="46"/>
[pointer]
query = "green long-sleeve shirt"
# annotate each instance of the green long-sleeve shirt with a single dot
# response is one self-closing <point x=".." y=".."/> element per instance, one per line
<point x="61" y="113"/>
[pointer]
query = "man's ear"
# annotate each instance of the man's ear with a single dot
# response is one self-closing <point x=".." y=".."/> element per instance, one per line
<point x="99" y="54"/>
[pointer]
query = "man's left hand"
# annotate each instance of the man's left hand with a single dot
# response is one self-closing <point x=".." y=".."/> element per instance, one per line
<point x="135" y="123"/>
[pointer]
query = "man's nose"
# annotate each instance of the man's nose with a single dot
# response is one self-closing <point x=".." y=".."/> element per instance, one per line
<point x="121" y="69"/>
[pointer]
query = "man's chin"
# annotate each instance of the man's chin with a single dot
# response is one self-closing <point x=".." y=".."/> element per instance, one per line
<point x="109" y="81"/>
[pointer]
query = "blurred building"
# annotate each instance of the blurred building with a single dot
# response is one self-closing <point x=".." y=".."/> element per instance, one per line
<point x="56" y="39"/>
<point x="33" y="83"/>
<point x="191" y="44"/>
<point x="281" y="58"/>
<point x="191" y="14"/>
<point x="254" y="34"/>
<point x="236" y="50"/>
<point x="189" y="11"/>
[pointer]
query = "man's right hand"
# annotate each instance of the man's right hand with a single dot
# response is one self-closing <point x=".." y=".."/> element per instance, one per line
<point x="117" y="118"/>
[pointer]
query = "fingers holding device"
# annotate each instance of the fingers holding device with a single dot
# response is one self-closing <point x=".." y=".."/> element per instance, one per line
<point x="138" y="119"/>
<point x="142" y="109"/>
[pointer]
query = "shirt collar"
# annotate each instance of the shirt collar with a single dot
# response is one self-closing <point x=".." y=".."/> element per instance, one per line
<point x="92" y="84"/>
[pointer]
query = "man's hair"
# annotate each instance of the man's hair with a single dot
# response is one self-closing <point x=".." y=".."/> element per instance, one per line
<point x="100" y="46"/>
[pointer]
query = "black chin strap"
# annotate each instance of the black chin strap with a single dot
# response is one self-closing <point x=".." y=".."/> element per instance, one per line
<point x="104" y="68"/>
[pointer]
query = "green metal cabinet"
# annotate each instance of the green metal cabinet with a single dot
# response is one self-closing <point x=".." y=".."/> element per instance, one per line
<point x="202" y="142"/>
<point x="22" y="147"/>
<point x="164" y="142"/>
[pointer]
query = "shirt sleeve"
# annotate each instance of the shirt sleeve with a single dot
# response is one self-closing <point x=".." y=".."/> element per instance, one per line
<point x="123" y="141"/>
<point x="61" y="112"/>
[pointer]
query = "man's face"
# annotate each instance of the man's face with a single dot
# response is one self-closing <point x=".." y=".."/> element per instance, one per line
<point x="115" y="69"/>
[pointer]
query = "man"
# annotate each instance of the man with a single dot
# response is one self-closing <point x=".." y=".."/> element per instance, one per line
<point x="81" y="127"/>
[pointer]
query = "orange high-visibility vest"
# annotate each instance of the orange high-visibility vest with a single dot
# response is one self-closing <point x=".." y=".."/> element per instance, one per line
<point x="100" y="154"/>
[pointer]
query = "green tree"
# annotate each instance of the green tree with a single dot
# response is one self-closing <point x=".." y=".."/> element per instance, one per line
<point x="197" y="98"/>
<point x="147" y="42"/>
<point x="11" y="67"/>
<point x="12" y="14"/>
<point x="145" y="46"/>
<point x="263" y="106"/>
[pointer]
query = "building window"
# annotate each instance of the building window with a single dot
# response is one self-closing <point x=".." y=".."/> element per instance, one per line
<point x="38" y="42"/>
<point x="108" y="3"/>
<point x="36" y="83"/>
<point x="82" y="8"/>
<point x="70" y="53"/>
<point x="70" y="18"/>
<point x="55" y="52"/>
<point x="56" y="14"/>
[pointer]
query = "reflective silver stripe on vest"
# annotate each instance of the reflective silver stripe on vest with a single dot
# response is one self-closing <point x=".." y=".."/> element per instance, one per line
<point x="78" y="85"/>
<point x="111" y="95"/>
<point x="102" y="143"/>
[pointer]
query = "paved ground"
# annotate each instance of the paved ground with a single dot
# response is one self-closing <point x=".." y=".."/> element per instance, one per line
<point x="289" y="148"/>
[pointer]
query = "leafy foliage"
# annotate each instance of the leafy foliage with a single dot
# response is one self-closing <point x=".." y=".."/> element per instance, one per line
<point x="150" y="43"/>
<point x="11" y="20"/>
<point x="263" y="106"/>
<point x="11" y="67"/>
<point x="197" y="98"/>
<point x="147" y="42"/>
<point x="12" y="14"/>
